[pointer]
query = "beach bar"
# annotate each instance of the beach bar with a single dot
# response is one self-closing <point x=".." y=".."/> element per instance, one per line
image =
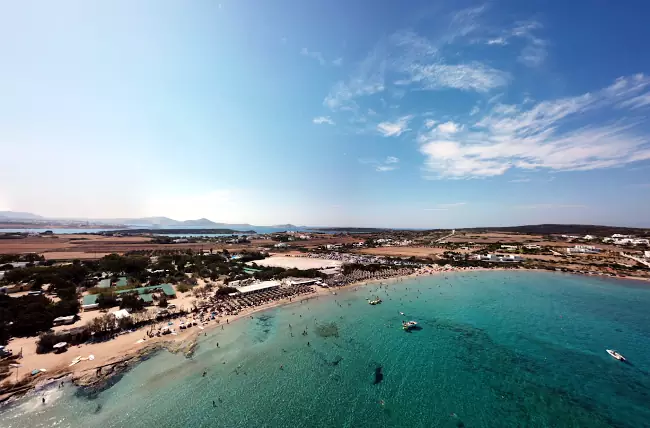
<point x="259" y="286"/>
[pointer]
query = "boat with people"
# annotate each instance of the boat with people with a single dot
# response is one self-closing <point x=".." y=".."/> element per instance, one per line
<point x="409" y="325"/>
<point x="375" y="302"/>
<point x="616" y="355"/>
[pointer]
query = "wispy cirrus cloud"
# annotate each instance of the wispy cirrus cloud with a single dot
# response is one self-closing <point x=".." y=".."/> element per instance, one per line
<point x="550" y="206"/>
<point x="396" y="128"/>
<point x="366" y="79"/>
<point x="541" y="136"/>
<point x="446" y="207"/>
<point x="637" y="102"/>
<point x="534" y="50"/>
<point x="388" y="164"/>
<point x="519" y="180"/>
<point x="417" y="63"/>
<point x="315" y="55"/>
<point x="320" y="120"/>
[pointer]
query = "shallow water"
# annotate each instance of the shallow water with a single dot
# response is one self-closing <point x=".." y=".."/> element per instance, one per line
<point x="500" y="349"/>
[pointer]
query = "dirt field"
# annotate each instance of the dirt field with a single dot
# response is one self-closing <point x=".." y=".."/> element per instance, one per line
<point x="67" y="255"/>
<point x="489" y="238"/>
<point x="67" y="247"/>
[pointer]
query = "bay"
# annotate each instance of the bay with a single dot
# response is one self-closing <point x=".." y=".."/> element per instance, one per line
<point x="501" y="348"/>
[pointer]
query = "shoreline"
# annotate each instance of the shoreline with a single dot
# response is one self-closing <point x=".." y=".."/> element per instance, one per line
<point x="122" y="360"/>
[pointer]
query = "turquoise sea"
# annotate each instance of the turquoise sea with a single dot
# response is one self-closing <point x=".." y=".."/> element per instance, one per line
<point x="496" y="349"/>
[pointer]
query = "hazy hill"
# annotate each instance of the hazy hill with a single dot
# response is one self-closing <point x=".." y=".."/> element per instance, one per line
<point x="17" y="215"/>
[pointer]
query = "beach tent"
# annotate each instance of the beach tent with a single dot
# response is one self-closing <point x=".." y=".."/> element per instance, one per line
<point x="122" y="313"/>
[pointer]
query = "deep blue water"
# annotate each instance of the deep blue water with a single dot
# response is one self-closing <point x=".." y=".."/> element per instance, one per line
<point x="496" y="349"/>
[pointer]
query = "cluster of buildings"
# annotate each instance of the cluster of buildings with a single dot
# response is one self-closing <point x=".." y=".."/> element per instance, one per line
<point x="626" y="240"/>
<point x="498" y="258"/>
<point x="583" y="249"/>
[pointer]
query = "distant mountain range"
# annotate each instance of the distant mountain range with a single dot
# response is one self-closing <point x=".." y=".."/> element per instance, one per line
<point x="166" y="221"/>
<point x="16" y="216"/>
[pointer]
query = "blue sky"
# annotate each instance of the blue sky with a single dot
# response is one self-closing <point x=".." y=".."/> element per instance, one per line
<point x="369" y="113"/>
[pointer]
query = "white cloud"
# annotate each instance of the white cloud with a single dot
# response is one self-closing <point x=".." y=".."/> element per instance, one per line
<point x="384" y="168"/>
<point x="519" y="180"/>
<point x="541" y="136"/>
<point x="475" y="110"/>
<point x="315" y="55"/>
<point x="497" y="41"/>
<point x="394" y="129"/>
<point x="430" y="123"/>
<point x="320" y="120"/>
<point x="391" y="159"/>
<point x="448" y="128"/>
<point x="338" y="62"/>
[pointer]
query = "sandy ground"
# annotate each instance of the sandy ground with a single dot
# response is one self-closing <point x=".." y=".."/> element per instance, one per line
<point x="288" y="262"/>
<point x="121" y="347"/>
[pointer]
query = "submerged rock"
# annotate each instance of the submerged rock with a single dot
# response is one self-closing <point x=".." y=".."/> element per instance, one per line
<point x="379" y="376"/>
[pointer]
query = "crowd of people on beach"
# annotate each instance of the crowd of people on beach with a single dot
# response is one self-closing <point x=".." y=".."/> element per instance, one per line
<point x="232" y="305"/>
<point x="365" y="275"/>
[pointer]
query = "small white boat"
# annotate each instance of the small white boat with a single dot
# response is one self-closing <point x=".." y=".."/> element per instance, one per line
<point x="375" y="302"/>
<point x="616" y="355"/>
<point x="401" y="313"/>
<point x="408" y="325"/>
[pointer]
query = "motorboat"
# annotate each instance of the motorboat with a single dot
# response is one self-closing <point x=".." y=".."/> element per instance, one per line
<point x="375" y="302"/>
<point x="409" y="325"/>
<point x="616" y="355"/>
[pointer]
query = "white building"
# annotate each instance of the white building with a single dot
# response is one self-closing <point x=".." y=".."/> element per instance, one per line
<point x="532" y="247"/>
<point x="646" y="254"/>
<point x="570" y="237"/>
<point x="619" y="236"/>
<point x="510" y="247"/>
<point x="589" y="237"/>
<point x="259" y="286"/>
<point x="280" y="245"/>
